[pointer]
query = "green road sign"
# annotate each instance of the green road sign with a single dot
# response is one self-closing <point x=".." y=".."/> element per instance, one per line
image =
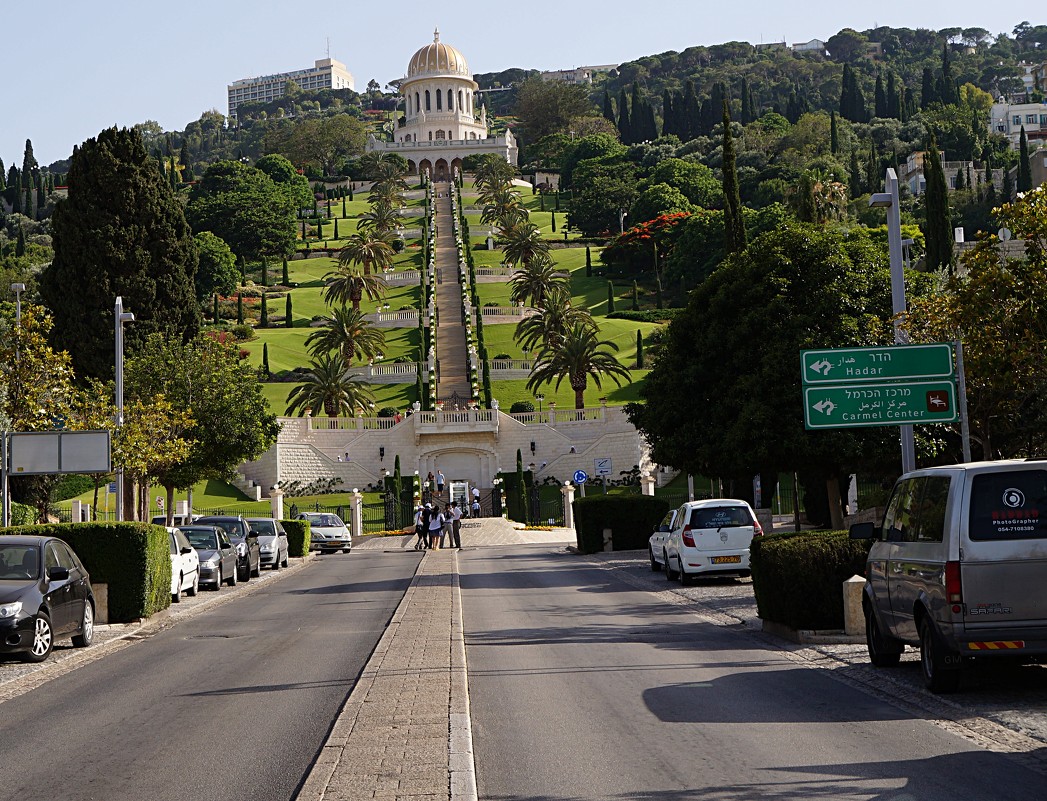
<point x="853" y="365"/>
<point x="884" y="404"/>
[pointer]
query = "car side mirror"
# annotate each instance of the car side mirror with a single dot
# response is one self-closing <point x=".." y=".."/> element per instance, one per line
<point x="187" y="549"/>
<point x="863" y="531"/>
<point x="58" y="573"/>
<point x="662" y="529"/>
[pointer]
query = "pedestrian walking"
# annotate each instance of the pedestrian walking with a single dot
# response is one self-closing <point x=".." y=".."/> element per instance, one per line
<point x="440" y="481"/>
<point x="456" y="526"/>
<point x="421" y="527"/>
<point x="476" y="502"/>
<point x="436" y="526"/>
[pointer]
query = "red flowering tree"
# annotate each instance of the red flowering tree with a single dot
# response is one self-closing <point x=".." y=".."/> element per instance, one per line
<point x="636" y="249"/>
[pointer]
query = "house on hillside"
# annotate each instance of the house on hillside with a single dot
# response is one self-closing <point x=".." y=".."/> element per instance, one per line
<point x="911" y="173"/>
<point x="813" y="46"/>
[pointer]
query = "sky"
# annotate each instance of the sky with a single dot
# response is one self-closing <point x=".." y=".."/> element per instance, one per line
<point x="76" y="67"/>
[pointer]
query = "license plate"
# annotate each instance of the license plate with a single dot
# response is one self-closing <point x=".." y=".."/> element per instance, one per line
<point x="726" y="560"/>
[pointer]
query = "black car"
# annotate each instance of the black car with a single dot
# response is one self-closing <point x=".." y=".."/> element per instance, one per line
<point x="45" y="594"/>
<point x="248" y="551"/>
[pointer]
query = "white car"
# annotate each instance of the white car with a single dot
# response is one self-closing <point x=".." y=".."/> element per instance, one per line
<point x="328" y="534"/>
<point x="707" y="538"/>
<point x="272" y="540"/>
<point x="185" y="566"/>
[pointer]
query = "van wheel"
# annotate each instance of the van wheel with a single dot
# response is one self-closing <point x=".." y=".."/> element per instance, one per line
<point x="654" y="562"/>
<point x="884" y="651"/>
<point x="936" y="677"/>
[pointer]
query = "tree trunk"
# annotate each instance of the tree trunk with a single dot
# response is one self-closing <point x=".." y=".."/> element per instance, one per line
<point x="832" y="487"/>
<point x="170" y="505"/>
<point x="579" y="398"/>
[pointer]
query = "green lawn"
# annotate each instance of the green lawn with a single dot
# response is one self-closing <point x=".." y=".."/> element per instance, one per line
<point x="399" y="396"/>
<point x="508" y="392"/>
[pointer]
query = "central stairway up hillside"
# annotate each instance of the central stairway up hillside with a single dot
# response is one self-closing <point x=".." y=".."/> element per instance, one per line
<point x="451" y="349"/>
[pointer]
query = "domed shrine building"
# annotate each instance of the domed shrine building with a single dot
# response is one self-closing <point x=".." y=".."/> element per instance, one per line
<point x="441" y="126"/>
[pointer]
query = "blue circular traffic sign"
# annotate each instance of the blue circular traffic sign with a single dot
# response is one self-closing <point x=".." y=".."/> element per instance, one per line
<point x="580" y="476"/>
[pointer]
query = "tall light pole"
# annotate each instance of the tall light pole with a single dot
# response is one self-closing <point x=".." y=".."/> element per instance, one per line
<point x="119" y="318"/>
<point x="889" y="200"/>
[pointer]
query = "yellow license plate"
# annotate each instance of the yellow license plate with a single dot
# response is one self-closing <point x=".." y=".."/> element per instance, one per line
<point x="726" y="560"/>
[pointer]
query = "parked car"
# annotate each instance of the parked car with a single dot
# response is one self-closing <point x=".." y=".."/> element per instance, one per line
<point x="657" y="541"/>
<point x="958" y="567"/>
<point x="272" y="540"/>
<point x="216" y="553"/>
<point x="328" y="534"/>
<point x="185" y="566"/>
<point x="176" y="520"/>
<point x="710" y="538"/>
<point x="248" y="551"/>
<point x="45" y="594"/>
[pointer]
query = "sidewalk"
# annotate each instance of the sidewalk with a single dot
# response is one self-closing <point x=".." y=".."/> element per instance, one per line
<point x="404" y="733"/>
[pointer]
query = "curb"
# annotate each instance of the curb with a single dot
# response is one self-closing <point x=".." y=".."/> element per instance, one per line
<point x="462" y="762"/>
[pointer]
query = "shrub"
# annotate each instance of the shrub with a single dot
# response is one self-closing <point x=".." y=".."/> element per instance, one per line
<point x="387" y="411"/>
<point x="646" y="316"/>
<point x="798" y="577"/>
<point x="631" y="519"/>
<point x="22" y="515"/>
<point x="134" y="559"/>
<point x="521" y="407"/>
<point x="503" y="356"/>
<point x="242" y="333"/>
<point x="297" y="537"/>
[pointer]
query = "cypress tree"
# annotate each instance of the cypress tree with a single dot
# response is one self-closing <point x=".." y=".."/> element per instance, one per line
<point x="239" y="309"/>
<point x="668" y="123"/>
<point x="350" y="192"/>
<point x="173" y="175"/>
<point x="846" y="101"/>
<point x="624" y="126"/>
<point x="1024" y="166"/>
<point x="636" y="296"/>
<point x="3" y="179"/>
<point x="265" y="359"/>
<point x="872" y="168"/>
<point x="639" y="349"/>
<point x="880" y="98"/>
<point x="336" y="229"/>
<point x="29" y="163"/>
<point x="608" y="108"/>
<point x="947" y="92"/>
<point x="288" y="319"/>
<point x="928" y="93"/>
<point x="938" y="228"/>
<point x="343" y="204"/>
<point x="214" y="310"/>
<point x="41" y="197"/>
<point x="734" y="225"/>
<point x="748" y="113"/>
<point x="27" y="200"/>
<point x="184" y="158"/>
<point x="690" y="119"/>
<point x="834" y="134"/>
<point x="521" y="487"/>
<point x="588" y="263"/>
<point x="636" y="121"/>
<point x="285" y="279"/>
<point x="20" y="244"/>
<point x="303" y="229"/>
<point x="16" y="197"/>
<point x="610" y="297"/>
<point x="122" y="232"/>
<point x="263" y="312"/>
<point x="1008" y="186"/>
<point x="554" y="221"/>
<point x="894" y="106"/>
<point x="960" y="180"/>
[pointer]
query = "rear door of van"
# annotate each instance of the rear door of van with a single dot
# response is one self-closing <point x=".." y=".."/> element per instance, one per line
<point x="1004" y="550"/>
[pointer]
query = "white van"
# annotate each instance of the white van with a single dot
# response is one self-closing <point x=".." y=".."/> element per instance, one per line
<point x="959" y="568"/>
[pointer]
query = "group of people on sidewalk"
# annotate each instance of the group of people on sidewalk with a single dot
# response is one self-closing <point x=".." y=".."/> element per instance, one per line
<point x="432" y="526"/>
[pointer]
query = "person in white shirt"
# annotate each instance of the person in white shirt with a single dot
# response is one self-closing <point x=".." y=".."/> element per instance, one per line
<point x="436" y="526"/>
<point x="456" y="526"/>
<point x="420" y="526"/>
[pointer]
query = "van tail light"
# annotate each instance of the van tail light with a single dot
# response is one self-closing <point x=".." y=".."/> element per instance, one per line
<point x="757" y="529"/>
<point x="688" y="537"/>
<point x="953" y="585"/>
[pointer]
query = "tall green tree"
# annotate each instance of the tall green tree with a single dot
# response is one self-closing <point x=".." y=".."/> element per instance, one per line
<point x="329" y="387"/>
<point x="1024" y="167"/>
<point x="938" y="227"/>
<point x="734" y="224"/>
<point x="217" y="272"/>
<point x="288" y="312"/>
<point x="120" y="232"/>
<point x="625" y="130"/>
<point x="346" y="332"/>
<point x="579" y="356"/>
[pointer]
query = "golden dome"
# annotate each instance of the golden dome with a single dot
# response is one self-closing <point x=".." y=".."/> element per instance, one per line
<point x="437" y="59"/>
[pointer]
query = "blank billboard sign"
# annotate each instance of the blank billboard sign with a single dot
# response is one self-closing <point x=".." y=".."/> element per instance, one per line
<point x="41" y="452"/>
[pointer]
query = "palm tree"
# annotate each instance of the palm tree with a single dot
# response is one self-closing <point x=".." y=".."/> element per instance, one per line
<point x="369" y="249"/>
<point x="553" y="322"/>
<point x="533" y="283"/>
<point x="503" y="208"/>
<point x="381" y="219"/>
<point x="350" y="282"/>
<point x="328" y="386"/>
<point x="577" y="356"/>
<point x="388" y="192"/>
<point x="492" y="173"/>
<point x="349" y="334"/>
<point x="522" y="244"/>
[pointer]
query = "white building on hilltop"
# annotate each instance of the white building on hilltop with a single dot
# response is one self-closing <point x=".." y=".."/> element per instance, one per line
<point x="440" y="126"/>
<point x="324" y="74"/>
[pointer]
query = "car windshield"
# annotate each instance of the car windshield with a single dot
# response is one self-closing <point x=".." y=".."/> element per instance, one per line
<point x="19" y="562"/>
<point x="720" y="517"/>
<point x="201" y="538"/>
<point x="1009" y="505"/>
<point x="325" y="521"/>
<point x="264" y="528"/>
<point x="230" y="526"/>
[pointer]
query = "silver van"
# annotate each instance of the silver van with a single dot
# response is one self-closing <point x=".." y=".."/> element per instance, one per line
<point x="959" y="568"/>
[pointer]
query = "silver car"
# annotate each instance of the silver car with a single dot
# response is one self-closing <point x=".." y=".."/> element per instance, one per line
<point x="328" y="534"/>
<point x="958" y="567"/>
<point x="217" y="554"/>
<point x="272" y="540"/>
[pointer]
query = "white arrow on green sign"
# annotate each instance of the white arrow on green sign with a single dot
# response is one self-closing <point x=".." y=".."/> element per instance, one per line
<point x="852" y="365"/>
<point x="884" y="404"/>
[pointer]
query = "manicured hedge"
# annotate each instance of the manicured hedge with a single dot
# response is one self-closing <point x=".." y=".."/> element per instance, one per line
<point x="646" y="316"/>
<point x="631" y="519"/>
<point x="298" y="536"/>
<point x="798" y="577"/>
<point x="134" y="559"/>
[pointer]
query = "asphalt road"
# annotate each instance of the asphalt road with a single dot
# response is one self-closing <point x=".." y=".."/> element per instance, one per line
<point x="583" y="687"/>
<point x="233" y="704"/>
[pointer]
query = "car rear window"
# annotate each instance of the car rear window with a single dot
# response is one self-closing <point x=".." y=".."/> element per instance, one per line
<point x="1009" y="506"/>
<point x="720" y="517"/>
<point x="264" y="527"/>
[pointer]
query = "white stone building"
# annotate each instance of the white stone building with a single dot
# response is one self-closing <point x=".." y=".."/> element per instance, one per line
<point x="441" y="126"/>
<point x="1010" y="118"/>
<point x="324" y="74"/>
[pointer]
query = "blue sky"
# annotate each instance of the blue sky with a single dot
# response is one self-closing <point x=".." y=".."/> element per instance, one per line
<point x="74" y="67"/>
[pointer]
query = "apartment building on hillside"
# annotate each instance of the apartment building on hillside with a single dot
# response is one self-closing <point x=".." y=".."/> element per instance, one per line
<point x="324" y="74"/>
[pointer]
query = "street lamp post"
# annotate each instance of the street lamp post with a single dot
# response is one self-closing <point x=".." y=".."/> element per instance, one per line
<point x="119" y="318"/>
<point x="539" y="397"/>
<point x="622" y="214"/>
<point x="889" y="200"/>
